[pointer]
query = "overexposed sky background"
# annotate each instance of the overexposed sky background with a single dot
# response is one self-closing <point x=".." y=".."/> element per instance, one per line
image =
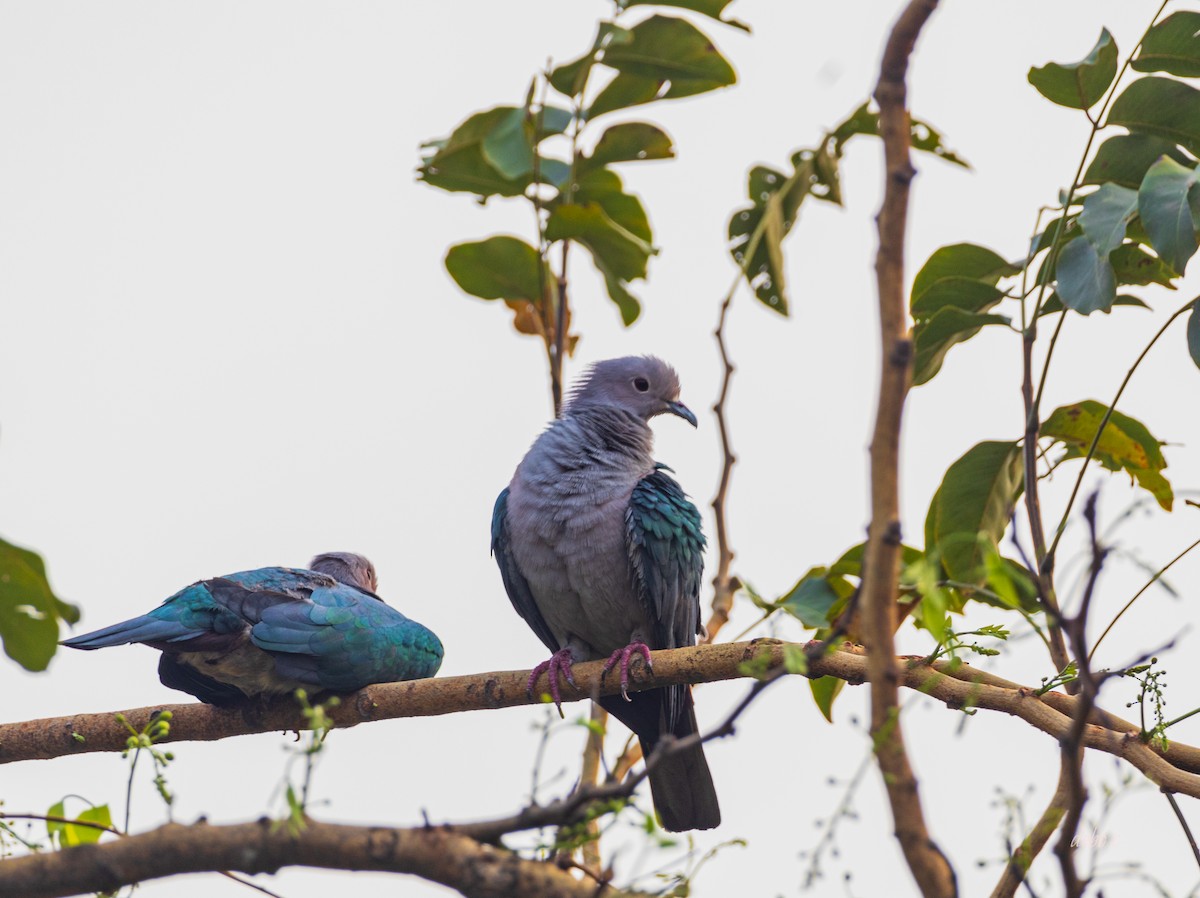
<point x="229" y="342"/>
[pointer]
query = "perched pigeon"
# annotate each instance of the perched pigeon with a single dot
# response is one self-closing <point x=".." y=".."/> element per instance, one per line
<point x="602" y="554"/>
<point x="270" y="631"/>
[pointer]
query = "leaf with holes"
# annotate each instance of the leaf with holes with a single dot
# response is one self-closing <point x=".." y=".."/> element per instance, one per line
<point x="1173" y="45"/>
<point x="1165" y="205"/>
<point x="1086" y="280"/>
<point x="1162" y="107"/>
<point x="627" y="142"/>
<point x="1078" y="85"/>
<point x="1125" y="444"/>
<point x="971" y="509"/>
<point x="922" y="135"/>
<point x="1105" y="215"/>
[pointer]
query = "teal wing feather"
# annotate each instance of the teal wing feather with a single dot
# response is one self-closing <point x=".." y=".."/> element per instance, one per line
<point x="665" y="539"/>
<point x="343" y="638"/>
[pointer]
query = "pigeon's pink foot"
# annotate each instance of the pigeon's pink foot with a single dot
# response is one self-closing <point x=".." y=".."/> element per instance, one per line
<point x="556" y="668"/>
<point x="622" y="656"/>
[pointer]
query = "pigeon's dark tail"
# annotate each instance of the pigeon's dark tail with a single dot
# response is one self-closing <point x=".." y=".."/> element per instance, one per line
<point x="680" y="782"/>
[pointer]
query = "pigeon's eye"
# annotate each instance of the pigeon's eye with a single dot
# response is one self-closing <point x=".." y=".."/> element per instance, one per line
<point x="641" y="384"/>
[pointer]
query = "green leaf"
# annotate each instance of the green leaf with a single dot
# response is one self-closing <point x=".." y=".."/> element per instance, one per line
<point x="1125" y="444"/>
<point x="961" y="260"/>
<point x="497" y="268"/>
<point x="825" y="691"/>
<point x="458" y="162"/>
<point x="965" y="294"/>
<point x="625" y="90"/>
<point x="29" y="609"/>
<point x="87" y="835"/>
<point x="850" y="564"/>
<point x="570" y="78"/>
<point x="1163" y="203"/>
<point x="1193" y="333"/>
<point x="1133" y="265"/>
<point x="672" y="50"/>
<point x="603" y="186"/>
<point x="1162" y="107"/>
<point x="711" y="8"/>
<point x="1086" y="280"/>
<point x="776" y="200"/>
<point x="1173" y="45"/>
<point x="627" y="142"/>
<point x="621" y="252"/>
<point x="1053" y="305"/>
<point x="1078" y="85"/>
<point x="1104" y="216"/>
<point x="1124" y="159"/>
<point x="933" y="337"/>
<point x="971" y="509"/>
<point x="810" y="600"/>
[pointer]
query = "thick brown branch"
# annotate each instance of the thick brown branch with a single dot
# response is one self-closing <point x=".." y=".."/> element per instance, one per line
<point x="881" y="562"/>
<point x="440" y="855"/>
<point x="1176" y="768"/>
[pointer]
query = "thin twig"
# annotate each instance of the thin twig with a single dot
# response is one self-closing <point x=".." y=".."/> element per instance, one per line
<point x="1157" y="576"/>
<point x="1187" y="830"/>
<point x="725" y="586"/>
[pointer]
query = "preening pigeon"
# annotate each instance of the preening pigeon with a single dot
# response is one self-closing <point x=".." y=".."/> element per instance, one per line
<point x="602" y="554"/>
<point x="272" y="630"/>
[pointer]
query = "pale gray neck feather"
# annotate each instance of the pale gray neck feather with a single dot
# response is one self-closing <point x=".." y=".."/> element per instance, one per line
<point x="595" y="438"/>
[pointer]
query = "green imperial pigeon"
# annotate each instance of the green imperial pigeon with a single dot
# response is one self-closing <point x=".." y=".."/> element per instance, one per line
<point x="602" y="554"/>
<point x="273" y="630"/>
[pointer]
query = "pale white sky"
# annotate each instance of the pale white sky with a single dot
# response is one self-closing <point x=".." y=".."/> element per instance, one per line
<point x="230" y="342"/>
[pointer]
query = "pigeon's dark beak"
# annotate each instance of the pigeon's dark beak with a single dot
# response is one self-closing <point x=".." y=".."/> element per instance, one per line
<point x="678" y="408"/>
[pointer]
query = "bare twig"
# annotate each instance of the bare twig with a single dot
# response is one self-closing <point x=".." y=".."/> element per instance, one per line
<point x="881" y="562"/>
<point x="725" y="586"/>
<point x="1073" y="743"/>
<point x="588" y="776"/>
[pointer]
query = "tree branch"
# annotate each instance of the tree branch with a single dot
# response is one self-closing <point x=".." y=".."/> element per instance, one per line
<point x="437" y="854"/>
<point x="881" y="562"/>
<point x="1176" y="768"/>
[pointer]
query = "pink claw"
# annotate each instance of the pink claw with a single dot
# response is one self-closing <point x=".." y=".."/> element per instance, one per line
<point x="622" y="657"/>
<point x="556" y="667"/>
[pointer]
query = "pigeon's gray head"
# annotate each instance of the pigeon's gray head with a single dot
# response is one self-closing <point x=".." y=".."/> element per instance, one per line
<point x="639" y="384"/>
<point x="348" y="568"/>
